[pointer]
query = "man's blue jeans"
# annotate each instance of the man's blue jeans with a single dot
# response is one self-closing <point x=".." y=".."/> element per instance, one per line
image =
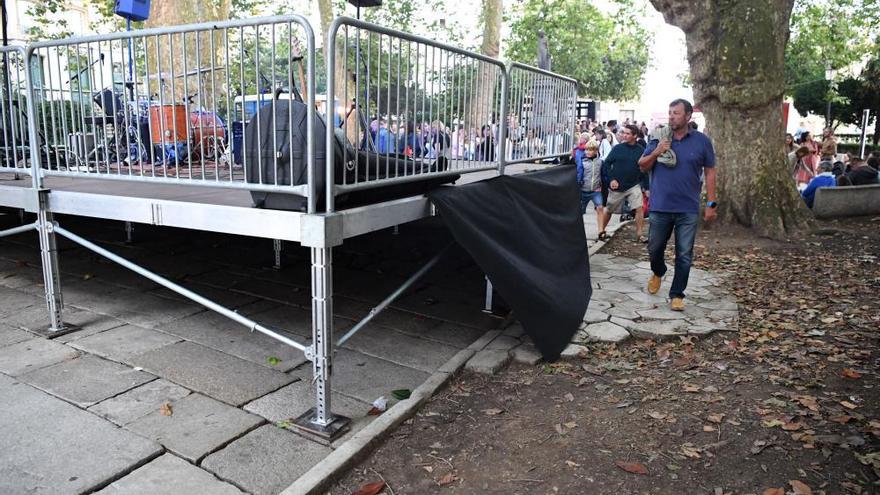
<point x="685" y="227"/>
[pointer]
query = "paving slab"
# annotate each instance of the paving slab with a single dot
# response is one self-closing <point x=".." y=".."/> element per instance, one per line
<point x="366" y="377"/>
<point x="516" y="330"/>
<point x="52" y="447"/>
<point x="526" y="354"/>
<point x="400" y="348"/>
<point x="266" y="460"/>
<point x="503" y="343"/>
<point x="220" y="333"/>
<point x="659" y="329"/>
<point x="9" y="335"/>
<point x="488" y="362"/>
<point x="86" y="380"/>
<point x="33" y="354"/>
<point x="214" y="373"/>
<point x="169" y="475"/>
<point x="662" y="314"/>
<point x="121" y="343"/>
<point x="595" y="316"/>
<point x="603" y="332"/>
<point x="14" y="301"/>
<point x="139" y="401"/>
<point x="294" y="399"/>
<point x="197" y="426"/>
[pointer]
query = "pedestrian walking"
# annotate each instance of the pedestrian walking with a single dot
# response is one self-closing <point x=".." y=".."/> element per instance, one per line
<point x="677" y="166"/>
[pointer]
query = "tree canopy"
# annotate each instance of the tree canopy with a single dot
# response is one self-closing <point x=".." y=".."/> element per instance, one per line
<point x="606" y="53"/>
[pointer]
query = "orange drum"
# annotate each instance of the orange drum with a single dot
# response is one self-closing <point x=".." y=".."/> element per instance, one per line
<point x="168" y="124"/>
<point x="206" y="124"/>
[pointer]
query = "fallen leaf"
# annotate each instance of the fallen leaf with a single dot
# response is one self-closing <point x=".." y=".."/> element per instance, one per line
<point x="570" y="425"/>
<point x="715" y="418"/>
<point x="691" y="451"/>
<point x="772" y="423"/>
<point x="773" y="491"/>
<point x="429" y="469"/>
<point x="808" y="401"/>
<point x="569" y="397"/>
<point x="691" y="388"/>
<point x="793" y="426"/>
<point x="492" y="412"/>
<point x="708" y="428"/>
<point x="370" y="488"/>
<point x="657" y="415"/>
<point x="559" y="429"/>
<point x="632" y="467"/>
<point x="374" y="411"/>
<point x="572" y="464"/>
<point x="87" y="276"/>
<point x="842" y="419"/>
<point x="848" y="373"/>
<point x="800" y="488"/>
<point x="447" y="479"/>
<point x="166" y="409"/>
<point x="662" y="354"/>
<point x="848" y="405"/>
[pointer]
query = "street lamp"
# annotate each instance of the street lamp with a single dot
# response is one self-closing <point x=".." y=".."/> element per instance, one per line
<point x="829" y="76"/>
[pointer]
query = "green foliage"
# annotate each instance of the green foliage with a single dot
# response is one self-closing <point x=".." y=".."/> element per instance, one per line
<point x="607" y="54"/>
<point x="839" y="32"/>
<point x="49" y="22"/>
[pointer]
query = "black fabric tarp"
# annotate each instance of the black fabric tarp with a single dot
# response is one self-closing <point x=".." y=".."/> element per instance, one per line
<point x="527" y="234"/>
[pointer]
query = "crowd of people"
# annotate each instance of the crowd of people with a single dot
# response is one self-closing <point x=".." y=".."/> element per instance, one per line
<point x="434" y="139"/>
<point x="816" y="164"/>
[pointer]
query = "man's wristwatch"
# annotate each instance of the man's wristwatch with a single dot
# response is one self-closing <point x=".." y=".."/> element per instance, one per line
<point x="711" y="204"/>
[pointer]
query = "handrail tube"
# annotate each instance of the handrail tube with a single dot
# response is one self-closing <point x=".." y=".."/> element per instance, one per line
<point x="232" y="315"/>
<point x="18" y="230"/>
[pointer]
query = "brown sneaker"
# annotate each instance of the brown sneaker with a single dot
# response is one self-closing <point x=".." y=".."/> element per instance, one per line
<point x="653" y="284"/>
<point x="677" y="304"/>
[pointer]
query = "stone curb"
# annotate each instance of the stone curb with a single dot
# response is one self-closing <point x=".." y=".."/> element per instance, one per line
<point x="362" y="443"/>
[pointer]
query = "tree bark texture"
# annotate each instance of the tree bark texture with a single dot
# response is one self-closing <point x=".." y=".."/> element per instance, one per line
<point x="486" y="76"/>
<point x="736" y="53"/>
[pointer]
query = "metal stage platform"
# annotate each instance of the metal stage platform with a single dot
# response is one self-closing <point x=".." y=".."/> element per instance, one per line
<point x="193" y="119"/>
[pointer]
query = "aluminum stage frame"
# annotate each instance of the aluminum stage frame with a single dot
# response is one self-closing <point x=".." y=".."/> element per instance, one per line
<point x="150" y="127"/>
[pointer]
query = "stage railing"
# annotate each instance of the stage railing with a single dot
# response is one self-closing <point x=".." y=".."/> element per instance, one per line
<point x="15" y="152"/>
<point x="413" y="107"/>
<point x="171" y="104"/>
<point x="541" y="114"/>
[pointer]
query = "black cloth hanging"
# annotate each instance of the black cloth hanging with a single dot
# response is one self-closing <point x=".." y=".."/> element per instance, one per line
<point x="527" y="234"/>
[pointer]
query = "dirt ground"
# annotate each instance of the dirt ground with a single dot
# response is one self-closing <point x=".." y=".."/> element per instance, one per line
<point x="787" y="405"/>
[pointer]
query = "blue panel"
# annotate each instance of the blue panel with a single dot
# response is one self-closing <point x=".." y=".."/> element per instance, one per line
<point x="136" y="10"/>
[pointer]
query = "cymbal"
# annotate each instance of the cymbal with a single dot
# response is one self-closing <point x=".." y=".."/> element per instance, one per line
<point x="199" y="70"/>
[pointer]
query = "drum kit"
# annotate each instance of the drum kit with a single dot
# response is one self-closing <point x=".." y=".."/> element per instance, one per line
<point x="162" y="132"/>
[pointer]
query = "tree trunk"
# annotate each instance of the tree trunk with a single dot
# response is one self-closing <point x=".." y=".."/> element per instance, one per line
<point x="343" y="75"/>
<point x="482" y="105"/>
<point x="736" y="53"/>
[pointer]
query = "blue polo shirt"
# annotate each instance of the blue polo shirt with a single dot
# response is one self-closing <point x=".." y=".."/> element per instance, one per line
<point x="678" y="189"/>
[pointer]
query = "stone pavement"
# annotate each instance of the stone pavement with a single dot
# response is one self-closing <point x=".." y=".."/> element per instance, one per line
<point x="155" y="394"/>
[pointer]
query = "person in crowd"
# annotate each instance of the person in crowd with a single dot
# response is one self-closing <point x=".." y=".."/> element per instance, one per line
<point x="676" y="189"/>
<point x="800" y="171"/>
<point x="798" y="134"/>
<point x="824" y="179"/>
<point x="605" y="146"/>
<point x="413" y="145"/>
<point x="611" y="130"/>
<point x="828" y="150"/>
<point x="589" y="178"/>
<point x="873" y="161"/>
<point x="625" y="177"/>
<point x="486" y="148"/>
<point x="860" y="174"/>
<point x="811" y="161"/>
<point x="790" y="145"/>
<point x="532" y="144"/>
<point x="384" y="139"/>
<point x="644" y="129"/>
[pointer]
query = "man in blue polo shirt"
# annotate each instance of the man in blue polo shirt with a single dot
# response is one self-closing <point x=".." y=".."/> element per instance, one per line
<point x="676" y="188"/>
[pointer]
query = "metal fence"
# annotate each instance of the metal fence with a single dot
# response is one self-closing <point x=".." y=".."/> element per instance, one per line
<point x="14" y="141"/>
<point x="541" y="114"/>
<point x="413" y="107"/>
<point x="173" y="104"/>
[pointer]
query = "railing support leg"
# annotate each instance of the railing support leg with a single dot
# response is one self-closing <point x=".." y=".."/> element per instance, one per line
<point x="488" y="307"/>
<point x="279" y="246"/>
<point x="319" y="423"/>
<point x="129" y="233"/>
<point x="51" y="278"/>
